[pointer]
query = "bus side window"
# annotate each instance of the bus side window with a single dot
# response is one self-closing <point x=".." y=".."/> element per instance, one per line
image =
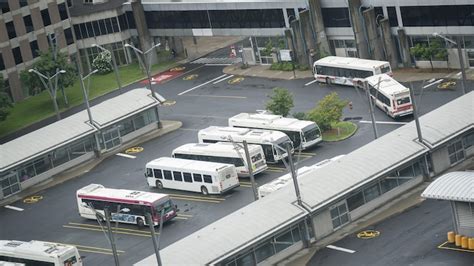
<point x="177" y="176"/>
<point x="149" y="172"/>
<point x="167" y="175"/>
<point x="157" y="173"/>
<point x="197" y="178"/>
<point x="207" y="179"/>
<point x="187" y="177"/>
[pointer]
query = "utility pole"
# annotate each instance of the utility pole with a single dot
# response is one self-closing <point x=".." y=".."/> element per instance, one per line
<point x="250" y="170"/>
<point x="371" y="107"/>
<point x="461" y="62"/>
<point x="111" y="235"/>
<point x="156" y="243"/>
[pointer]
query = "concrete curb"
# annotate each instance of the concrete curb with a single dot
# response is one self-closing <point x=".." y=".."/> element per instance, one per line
<point x="270" y="74"/>
<point x="167" y="127"/>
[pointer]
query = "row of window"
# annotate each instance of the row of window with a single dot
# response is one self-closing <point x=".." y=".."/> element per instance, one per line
<point x="114" y="206"/>
<point x="342" y="72"/>
<point x="5" y="7"/>
<point x="104" y="26"/>
<point x="178" y="176"/>
<point x="229" y="160"/>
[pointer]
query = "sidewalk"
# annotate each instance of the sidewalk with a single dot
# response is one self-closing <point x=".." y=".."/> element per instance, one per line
<point x="402" y="74"/>
<point x="167" y="127"/>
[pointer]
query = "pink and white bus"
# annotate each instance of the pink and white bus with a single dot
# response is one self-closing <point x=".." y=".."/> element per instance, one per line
<point x="126" y="206"/>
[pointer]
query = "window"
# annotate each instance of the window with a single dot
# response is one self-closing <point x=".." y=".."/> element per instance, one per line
<point x="131" y="20"/>
<point x="392" y="16"/>
<point x="149" y="172"/>
<point x="60" y="156"/>
<point x="17" y="55"/>
<point x="207" y="179"/>
<point x="197" y="178"/>
<point x="339" y="215"/>
<point x="108" y="25"/>
<point x="157" y="173"/>
<point x="115" y="26"/>
<point x="10" y="30"/>
<point x="123" y="22"/>
<point x="388" y="184"/>
<point x="355" y="201"/>
<point x="90" y="29"/>
<point x="23" y="3"/>
<point x="28" y="23"/>
<point x="62" y="11"/>
<point x="336" y="17"/>
<point x="4" y="7"/>
<point x="167" y="175"/>
<point x="447" y="15"/>
<point x="371" y="192"/>
<point x="42" y="164"/>
<point x="34" y="48"/>
<point x="139" y="121"/>
<point x="456" y="152"/>
<point x="264" y="251"/>
<point x="77" y="31"/>
<point x="2" y="65"/>
<point x="177" y="176"/>
<point x="46" y="18"/>
<point x="187" y="177"/>
<point x="95" y="25"/>
<point x="68" y="35"/>
<point x="468" y="140"/>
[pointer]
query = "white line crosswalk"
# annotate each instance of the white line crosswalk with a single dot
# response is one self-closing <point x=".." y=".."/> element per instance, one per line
<point x="218" y="60"/>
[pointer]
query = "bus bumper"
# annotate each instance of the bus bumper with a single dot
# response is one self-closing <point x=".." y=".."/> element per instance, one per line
<point x="230" y="188"/>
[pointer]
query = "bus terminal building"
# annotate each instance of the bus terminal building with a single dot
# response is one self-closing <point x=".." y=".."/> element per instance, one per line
<point x="274" y="227"/>
<point x="37" y="156"/>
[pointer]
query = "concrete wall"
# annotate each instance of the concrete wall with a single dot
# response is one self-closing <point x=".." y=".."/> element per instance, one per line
<point x="440" y="160"/>
<point x="322" y="224"/>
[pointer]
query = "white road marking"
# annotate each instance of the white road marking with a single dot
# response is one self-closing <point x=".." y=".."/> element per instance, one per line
<point x="459" y="74"/>
<point x="126" y="155"/>
<point x="383" y="122"/>
<point x="217" y="96"/>
<point x="341" y="249"/>
<point x="311" y="82"/>
<point x="222" y="79"/>
<point x="433" y="83"/>
<point x="13" y="208"/>
<point x="218" y="64"/>
<point x="200" y="85"/>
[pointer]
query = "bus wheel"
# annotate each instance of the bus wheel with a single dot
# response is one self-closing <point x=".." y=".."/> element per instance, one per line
<point x="159" y="184"/>
<point x="140" y="222"/>
<point x="204" y="190"/>
<point x="328" y="81"/>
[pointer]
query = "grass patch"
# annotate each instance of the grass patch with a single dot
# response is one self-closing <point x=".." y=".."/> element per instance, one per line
<point x="340" y="131"/>
<point x="40" y="106"/>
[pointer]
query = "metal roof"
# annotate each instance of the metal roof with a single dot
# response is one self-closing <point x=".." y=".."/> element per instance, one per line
<point x="319" y="188"/>
<point x="73" y="127"/>
<point x="454" y="186"/>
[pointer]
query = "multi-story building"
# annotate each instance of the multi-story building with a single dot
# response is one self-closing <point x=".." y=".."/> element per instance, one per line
<point x="27" y="27"/>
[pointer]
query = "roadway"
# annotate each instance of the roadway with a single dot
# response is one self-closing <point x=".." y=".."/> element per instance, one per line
<point x="55" y="218"/>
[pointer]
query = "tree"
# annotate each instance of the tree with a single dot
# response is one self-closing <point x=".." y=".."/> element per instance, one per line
<point x="281" y="101"/>
<point x="5" y="102"/>
<point x="48" y="64"/>
<point x="434" y="51"/>
<point x="328" y="111"/>
<point x="103" y="62"/>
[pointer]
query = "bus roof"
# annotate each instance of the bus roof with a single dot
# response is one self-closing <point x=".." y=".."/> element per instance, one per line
<point x="240" y="134"/>
<point x="33" y="248"/>
<point x="349" y="62"/>
<point x="99" y="192"/>
<point x="190" y="165"/>
<point x="388" y="85"/>
<point x="216" y="149"/>
<point x="269" y="121"/>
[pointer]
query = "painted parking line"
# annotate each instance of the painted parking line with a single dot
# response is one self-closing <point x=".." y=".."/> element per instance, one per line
<point x="309" y="83"/>
<point x="448" y="246"/>
<point x="218" y="64"/>
<point x="222" y="79"/>
<point x="432" y="83"/>
<point x="247" y="184"/>
<point x="116" y="230"/>
<point x="14" y="208"/>
<point x="200" y="85"/>
<point x="306" y="153"/>
<point x="126" y="155"/>
<point x="276" y="169"/>
<point x="196" y="198"/>
<point x="341" y="249"/>
<point x="92" y="249"/>
<point x="383" y="122"/>
<point x="217" y="96"/>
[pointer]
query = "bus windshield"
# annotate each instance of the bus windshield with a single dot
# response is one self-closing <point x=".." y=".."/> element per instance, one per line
<point x="403" y="100"/>
<point x="311" y="132"/>
<point x="167" y="205"/>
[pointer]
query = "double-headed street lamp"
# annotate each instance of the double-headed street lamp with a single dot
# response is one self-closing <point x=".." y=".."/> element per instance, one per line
<point x="114" y="63"/>
<point x="49" y="86"/>
<point x="460" y="55"/>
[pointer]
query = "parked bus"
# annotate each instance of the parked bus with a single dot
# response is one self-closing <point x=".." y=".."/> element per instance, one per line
<point x="191" y="175"/>
<point x="302" y="133"/>
<point x="286" y="179"/>
<point x="38" y="253"/>
<point x="390" y="96"/>
<point x="224" y="152"/>
<point x="126" y="206"/>
<point x="344" y="70"/>
<point x="268" y="139"/>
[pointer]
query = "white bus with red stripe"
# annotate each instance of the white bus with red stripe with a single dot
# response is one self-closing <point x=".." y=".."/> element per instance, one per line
<point x="126" y="206"/>
<point x="346" y="70"/>
<point x="390" y="96"/>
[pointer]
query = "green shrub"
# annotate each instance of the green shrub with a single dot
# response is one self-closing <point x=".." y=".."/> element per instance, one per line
<point x="300" y="115"/>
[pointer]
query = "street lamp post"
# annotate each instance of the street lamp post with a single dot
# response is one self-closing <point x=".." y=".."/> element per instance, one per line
<point x="156" y="243"/>
<point x="114" y="63"/>
<point x="88" y="108"/>
<point x="371" y="107"/>
<point x="460" y="55"/>
<point x="250" y="170"/>
<point x="49" y="86"/>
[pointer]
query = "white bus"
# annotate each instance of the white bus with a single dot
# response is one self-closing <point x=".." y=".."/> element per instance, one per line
<point x="390" y="96"/>
<point x="191" y="175"/>
<point x="126" y="206"/>
<point x="286" y="179"/>
<point x="268" y="139"/>
<point x="345" y="70"/>
<point x="224" y="152"/>
<point x="302" y="133"/>
<point x="38" y="253"/>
